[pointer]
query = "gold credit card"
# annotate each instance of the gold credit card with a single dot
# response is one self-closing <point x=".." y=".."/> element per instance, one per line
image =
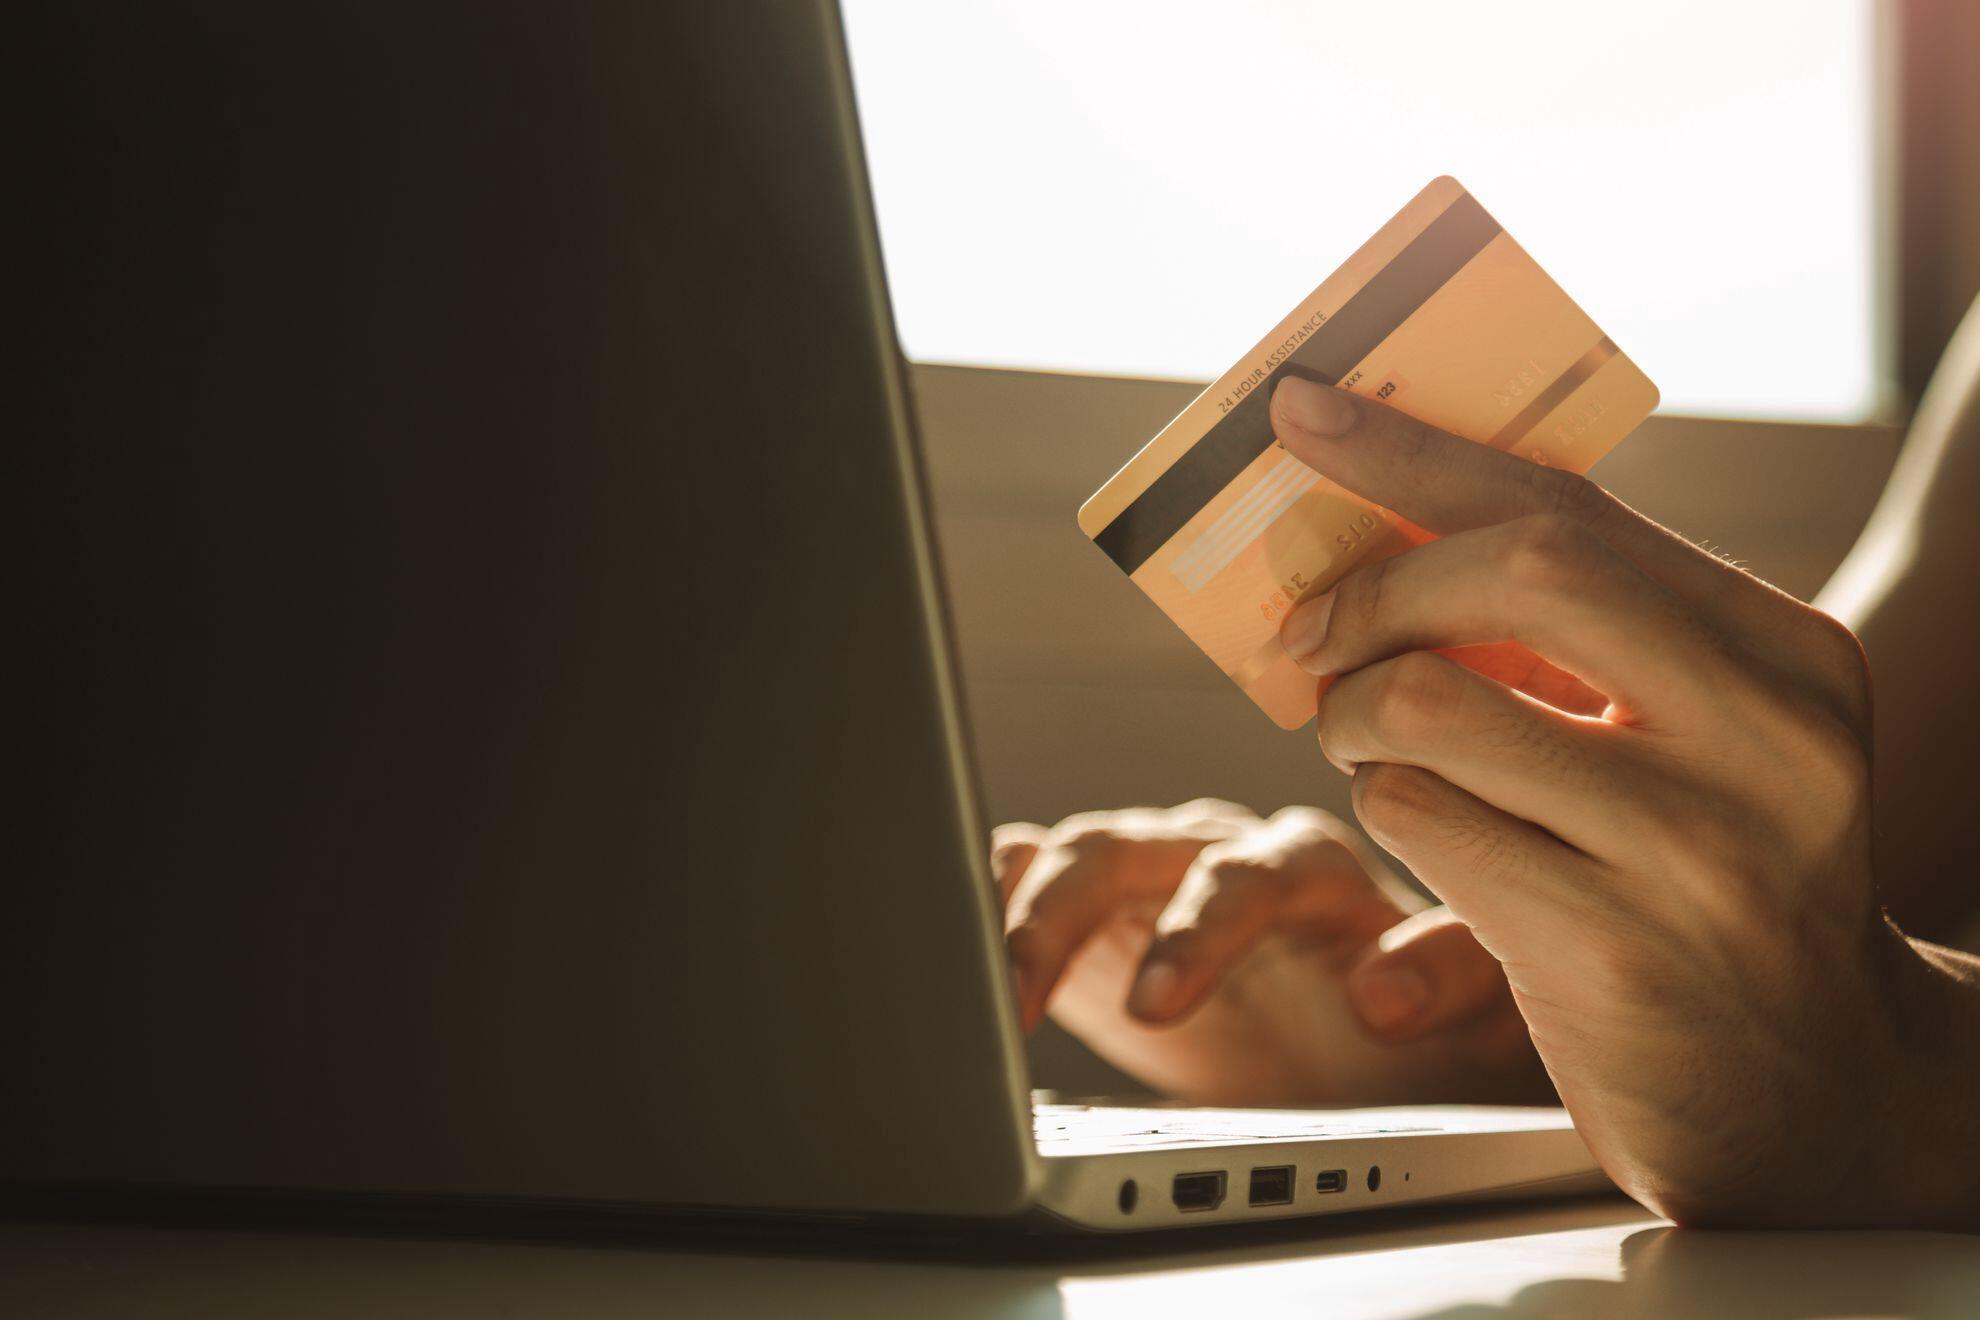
<point x="1440" y="315"/>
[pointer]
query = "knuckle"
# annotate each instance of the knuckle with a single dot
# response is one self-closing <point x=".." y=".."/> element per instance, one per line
<point x="1305" y="823"/>
<point x="1085" y="820"/>
<point x="1414" y="447"/>
<point x="1241" y="877"/>
<point x="1358" y="599"/>
<point x="1843" y="666"/>
<point x="1410" y="451"/>
<point x="1208" y="808"/>
<point x="1489" y="849"/>
<point x="1392" y="801"/>
<point x="1548" y="555"/>
<point x="1013" y="836"/>
<point x="1514" y="732"/>
<point x="1839" y="644"/>
<point x="1422" y="454"/>
<point x="1091" y="834"/>
<point x="1007" y="859"/>
<point x="1410" y="811"/>
<point x="1569" y="494"/>
<point x="1415" y="701"/>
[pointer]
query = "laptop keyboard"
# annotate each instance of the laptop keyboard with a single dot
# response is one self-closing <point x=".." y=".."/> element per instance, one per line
<point x="1089" y="1128"/>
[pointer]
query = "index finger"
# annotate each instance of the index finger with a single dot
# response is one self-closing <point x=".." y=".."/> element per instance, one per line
<point x="1298" y="873"/>
<point x="1441" y="482"/>
<point x="1080" y="874"/>
<point x="1444" y="483"/>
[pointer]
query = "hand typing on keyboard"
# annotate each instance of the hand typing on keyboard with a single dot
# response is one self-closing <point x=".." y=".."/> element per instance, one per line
<point x="1227" y="959"/>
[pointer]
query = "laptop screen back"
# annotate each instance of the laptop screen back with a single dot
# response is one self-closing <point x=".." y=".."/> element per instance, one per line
<point x="486" y="709"/>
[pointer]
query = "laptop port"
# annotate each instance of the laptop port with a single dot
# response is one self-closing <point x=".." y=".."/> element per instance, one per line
<point x="1198" y="1191"/>
<point x="1331" y="1180"/>
<point x="1273" y="1186"/>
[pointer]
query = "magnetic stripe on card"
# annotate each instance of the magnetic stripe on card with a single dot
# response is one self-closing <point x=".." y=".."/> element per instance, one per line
<point x="1374" y="313"/>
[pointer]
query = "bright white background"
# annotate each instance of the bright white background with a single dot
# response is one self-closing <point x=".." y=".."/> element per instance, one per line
<point x="1145" y="188"/>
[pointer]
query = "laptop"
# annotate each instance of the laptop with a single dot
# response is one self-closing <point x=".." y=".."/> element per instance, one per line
<point x="492" y="735"/>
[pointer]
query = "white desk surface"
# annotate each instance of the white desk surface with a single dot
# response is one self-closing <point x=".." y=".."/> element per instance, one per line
<point x="1593" y="1258"/>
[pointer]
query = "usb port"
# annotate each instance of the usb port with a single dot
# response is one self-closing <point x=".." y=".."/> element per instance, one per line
<point x="1331" y="1180"/>
<point x="1272" y="1186"/>
<point x="1198" y="1191"/>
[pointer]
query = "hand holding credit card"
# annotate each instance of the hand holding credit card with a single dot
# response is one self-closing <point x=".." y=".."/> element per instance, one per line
<point x="1441" y="316"/>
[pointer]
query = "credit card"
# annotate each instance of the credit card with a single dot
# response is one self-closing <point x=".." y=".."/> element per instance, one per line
<point x="1440" y="315"/>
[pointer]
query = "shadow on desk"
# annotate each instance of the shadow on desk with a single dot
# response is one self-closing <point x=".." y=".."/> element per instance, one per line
<point x="1760" y="1276"/>
<point x="1604" y="1258"/>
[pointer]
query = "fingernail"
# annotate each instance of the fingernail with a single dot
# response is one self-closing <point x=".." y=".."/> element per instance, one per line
<point x="1305" y="629"/>
<point x="1153" y="989"/>
<point x="1390" y="996"/>
<point x="1314" y="409"/>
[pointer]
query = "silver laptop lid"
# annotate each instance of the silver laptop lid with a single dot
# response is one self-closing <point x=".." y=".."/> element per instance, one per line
<point x="492" y="730"/>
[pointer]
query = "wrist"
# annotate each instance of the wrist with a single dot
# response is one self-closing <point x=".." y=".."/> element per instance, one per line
<point x="1928" y="1158"/>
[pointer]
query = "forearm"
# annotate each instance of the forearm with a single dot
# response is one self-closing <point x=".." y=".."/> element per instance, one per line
<point x="1927" y="738"/>
<point x="1908" y="589"/>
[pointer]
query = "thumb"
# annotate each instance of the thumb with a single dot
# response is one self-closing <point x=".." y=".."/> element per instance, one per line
<point x="1423" y="974"/>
